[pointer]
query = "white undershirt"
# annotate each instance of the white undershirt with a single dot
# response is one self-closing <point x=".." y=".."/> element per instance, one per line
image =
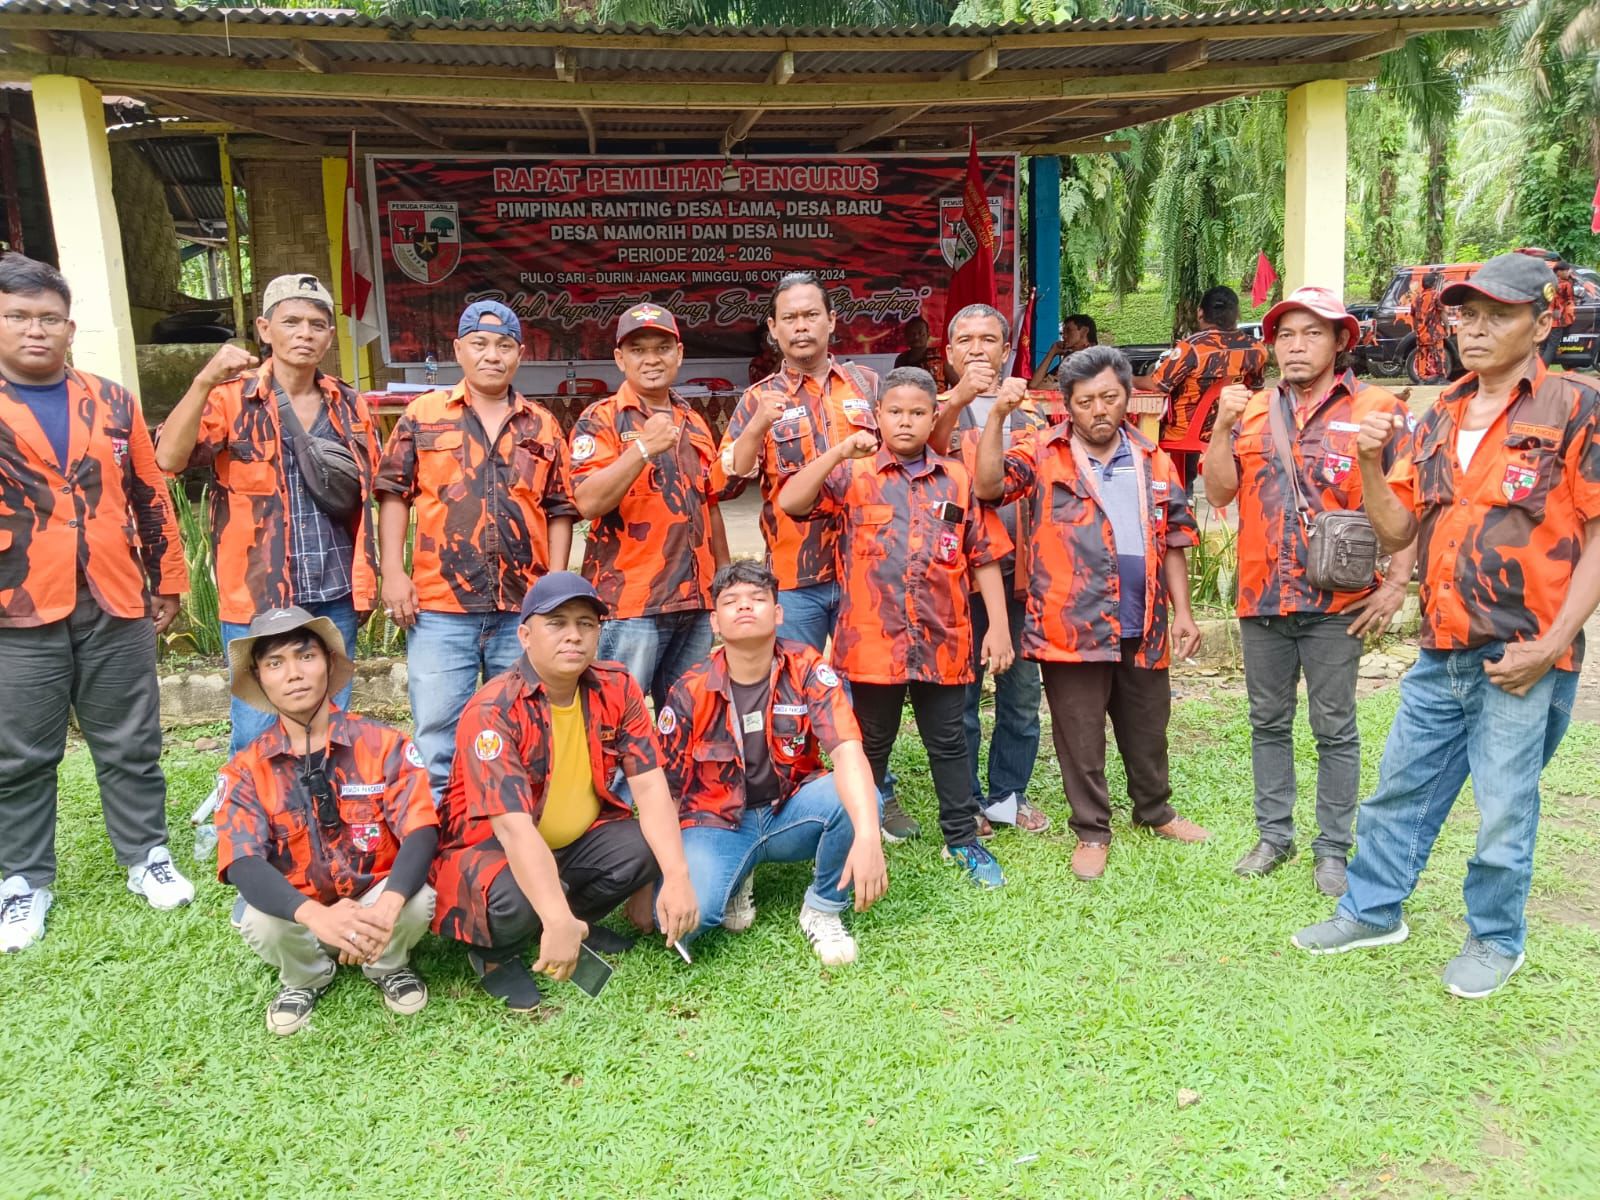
<point x="1467" y="441"/>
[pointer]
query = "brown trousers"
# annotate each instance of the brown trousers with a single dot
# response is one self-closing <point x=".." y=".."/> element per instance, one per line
<point x="1139" y="703"/>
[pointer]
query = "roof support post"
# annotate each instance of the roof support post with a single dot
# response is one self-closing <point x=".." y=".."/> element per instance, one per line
<point x="77" y="171"/>
<point x="230" y="208"/>
<point x="1044" y="257"/>
<point x="1314" y="187"/>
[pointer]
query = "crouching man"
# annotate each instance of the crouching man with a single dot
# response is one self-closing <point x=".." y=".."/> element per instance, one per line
<point x="743" y="735"/>
<point x="326" y="825"/>
<point x="538" y="841"/>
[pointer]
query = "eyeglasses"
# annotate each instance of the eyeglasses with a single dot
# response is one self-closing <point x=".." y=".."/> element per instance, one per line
<point x="49" y="322"/>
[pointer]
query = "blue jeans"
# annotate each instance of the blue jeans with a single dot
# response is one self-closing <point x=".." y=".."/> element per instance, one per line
<point x="809" y="614"/>
<point x="1014" y="745"/>
<point x="812" y="825"/>
<point x="250" y="723"/>
<point x="658" y="650"/>
<point x="448" y="656"/>
<point x="1454" y="723"/>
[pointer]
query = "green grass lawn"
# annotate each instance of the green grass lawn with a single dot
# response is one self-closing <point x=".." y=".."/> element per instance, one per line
<point x="1030" y="1042"/>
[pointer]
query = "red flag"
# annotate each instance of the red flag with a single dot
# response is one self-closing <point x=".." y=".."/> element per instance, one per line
<point x="1022" y="354"/>
<point x="973" y="281"/>
<point x="1261" y="286"/>
<point x="1594" y="224"/>
<point x="356" y="300"/>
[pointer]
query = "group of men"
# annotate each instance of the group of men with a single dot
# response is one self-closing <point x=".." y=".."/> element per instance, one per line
<point x="916" y="539"/>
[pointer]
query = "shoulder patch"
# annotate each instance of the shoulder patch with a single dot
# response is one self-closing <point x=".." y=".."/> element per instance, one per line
<point x="413" y="755"/>
<point x="826" y="676"/>
<point x="582" y="448"/>
<point x="666" y="720"/>
<point x="488" y="745"/>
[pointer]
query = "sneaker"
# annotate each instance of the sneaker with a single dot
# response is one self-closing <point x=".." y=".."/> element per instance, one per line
<point x="508" y="981"/>
<point x="828" y="936"/>
<point x="291" y="1009"/>
<point x="1180" y="829"/>
<point x="1089" y="860"/>
<point x="1328" y="873"/>
<point x="1264" y="859"/>
<point x="1479" y="970"/>
<point x="608" y="941"/>
<point x="1341" y="933"/>
<point x="158" y="881"/>
<point x="403" y="991"/>
<point x="982" y="868"/>
<point x="898" y="826"/>
<point x="741" y="911"/>
<point x="22" y="911"/>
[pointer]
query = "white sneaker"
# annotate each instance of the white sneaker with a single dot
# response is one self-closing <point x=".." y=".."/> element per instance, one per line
<point x="828" y="936"/>
<point x="741" y="911"/>
<point x="22" y="911"/>
<point x="158" y="881"/>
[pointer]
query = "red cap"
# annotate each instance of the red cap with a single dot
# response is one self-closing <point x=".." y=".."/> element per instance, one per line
<point x="647" y="316"/>
<point x="1316" y="300"/>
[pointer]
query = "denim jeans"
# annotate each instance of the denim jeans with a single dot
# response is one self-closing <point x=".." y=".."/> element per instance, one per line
<point x="1277" y="650"/>
<point x="1014" y="745"/>
<point x="250" y="723"/>
<point x="812" y="825"/>
<point x="1453" y="722"/>
<point x="448" y="657"/>
<point x="809" y="614"/>
<point x="658" y="650"/>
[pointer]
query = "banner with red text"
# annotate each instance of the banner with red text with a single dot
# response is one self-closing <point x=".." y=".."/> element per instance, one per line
<point x="570" y="244"/>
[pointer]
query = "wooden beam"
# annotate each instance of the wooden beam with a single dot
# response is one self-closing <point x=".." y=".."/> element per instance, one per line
<point x="32" y="41"/>
<point x="146" y="131"/>
<point x="587" y="118"/>
<point x="1156" y="112"/>
<point x="1030" y="116"/>
<point x="404" y="120"/>
<point x="1059" y="149"/>
<point x="780" y="73"/>
<point x="1186" y="56"/>
<point x="977" y="65"/>
<point x="309" y="57"/>
<point x="238" y="119"/>
<point x="566" y="65"/>
<point x="1370" y="47"/>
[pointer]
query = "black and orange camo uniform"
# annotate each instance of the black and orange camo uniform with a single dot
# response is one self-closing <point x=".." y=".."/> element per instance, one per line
<point x="1025" y="420"/>
<point x="1199" y="363"/>
<point x="252" y="535"/>
<point x="483" y="511"/>
<point x="1272" y="544"/>
<point x="808" y="714"/>
<point x="1498" y="542"/>
<point x="908" y="536"/>
<point x="800" y="554"/>
<point x="652" y="552"/>
<point x="502" y="765"/>
<point x="1073" y="588"/>
<point x="1564" y="308"/>
<point x="266" y="812"/>
<point x="101" y="521"/>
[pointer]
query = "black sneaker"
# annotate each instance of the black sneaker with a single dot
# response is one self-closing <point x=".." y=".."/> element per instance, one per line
<point x="898" y="825"/>
<point x="608" y="941"/>
<point x="403" y="991"/>
<point x="1263" y="860"/>
<point x="291" y="1009"/>
<point x="508" y="980"/>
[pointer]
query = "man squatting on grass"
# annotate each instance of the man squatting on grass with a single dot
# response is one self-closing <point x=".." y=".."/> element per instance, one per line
<point x="1500" y="484"/>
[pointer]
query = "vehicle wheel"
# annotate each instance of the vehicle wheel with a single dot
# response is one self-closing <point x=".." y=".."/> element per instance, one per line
<point x="1411" y="371"/>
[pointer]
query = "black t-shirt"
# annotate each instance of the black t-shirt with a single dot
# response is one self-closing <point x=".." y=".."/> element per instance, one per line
<point x="750" y="713"/>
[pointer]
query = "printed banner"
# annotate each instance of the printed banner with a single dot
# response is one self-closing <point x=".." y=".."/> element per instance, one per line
<point x="570" y="244"/>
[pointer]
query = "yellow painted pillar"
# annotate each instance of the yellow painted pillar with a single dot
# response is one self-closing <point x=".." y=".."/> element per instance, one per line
<point x="1314" y="187"/>
<point x="77" y="172"/>
<point x="334" y="173"/>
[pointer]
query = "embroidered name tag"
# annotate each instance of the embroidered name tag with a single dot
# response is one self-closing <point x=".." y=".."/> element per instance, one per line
<point x="790" y="414"/>
<point x="361" y="789"/>
<point x="1343" y="427"/>
<point x="788" y="710"/>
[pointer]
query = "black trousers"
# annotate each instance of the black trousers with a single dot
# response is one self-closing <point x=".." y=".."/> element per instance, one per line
<point x="940" y="709"/>
<point x="103" y="668"/>
<point x="598" y="872"/>
<point x="1139" y="703"/>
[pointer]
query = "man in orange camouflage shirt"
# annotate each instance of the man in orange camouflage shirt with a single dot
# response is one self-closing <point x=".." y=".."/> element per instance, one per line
<point x="911" y="539"/>
<point x="1287" y="626"/>
<point x="1500" y="485"/>
<point x="485" y="469"/>
<point x="91" y="570"/>
<point x="1218" y="353"/>
<point x="326" y="825"/>
<point x="641" y="476"/>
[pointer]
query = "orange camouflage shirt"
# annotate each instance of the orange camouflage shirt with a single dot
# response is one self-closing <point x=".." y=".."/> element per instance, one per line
<point x="799" y="554"/>
<point x="1498" y="542"/>
<point x="252" y="535"/>
<point x="1025" y="420"/>
<point x="483" y="511"/>
<point x="502" y="766"/>
<point x="1074" y="590"/>
<point x="1565" y="306"/>
<point x="1272" y="544"/>
<point x="908" y="537"/>
<point x="652" y="553"/>
<point x="376" y="773"/>
<point x="808" y="714"/>
<point x="1200" y="362"/>
<point x="103" y="516"/>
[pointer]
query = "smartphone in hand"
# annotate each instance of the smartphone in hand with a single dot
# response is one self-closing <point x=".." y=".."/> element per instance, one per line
<point x="592" y="972"/>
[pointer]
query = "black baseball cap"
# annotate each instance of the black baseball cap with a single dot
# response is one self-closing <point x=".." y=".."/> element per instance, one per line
<point x="551" y="591"/>
<point x="1513" y="278"/>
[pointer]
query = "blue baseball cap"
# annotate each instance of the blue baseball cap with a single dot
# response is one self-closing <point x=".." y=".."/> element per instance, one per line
<point x="491" y="317"/>
<point x="550" y="592"/>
